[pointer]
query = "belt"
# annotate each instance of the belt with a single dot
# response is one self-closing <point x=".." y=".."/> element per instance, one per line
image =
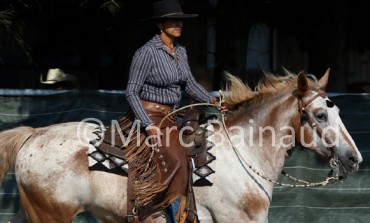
<point x="156" y="107"/>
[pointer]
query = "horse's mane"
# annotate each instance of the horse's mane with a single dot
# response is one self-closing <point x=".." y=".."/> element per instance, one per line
<point x="238" y="91"/>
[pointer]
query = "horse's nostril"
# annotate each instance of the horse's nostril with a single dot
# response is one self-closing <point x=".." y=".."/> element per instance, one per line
<point x="352" y="160"/>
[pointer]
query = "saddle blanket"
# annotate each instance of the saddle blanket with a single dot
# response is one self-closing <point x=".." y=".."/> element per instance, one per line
<point x="98" y="160"/>
<point x="101" y="161"/>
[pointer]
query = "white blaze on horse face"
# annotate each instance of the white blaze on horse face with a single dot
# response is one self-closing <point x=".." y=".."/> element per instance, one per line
<point x="348" y="139"/>
<point x="334" y="133"/>
<point x="345" y="142"/>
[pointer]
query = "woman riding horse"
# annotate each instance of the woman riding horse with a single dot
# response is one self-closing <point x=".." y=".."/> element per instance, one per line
<point x="158" y="71"/>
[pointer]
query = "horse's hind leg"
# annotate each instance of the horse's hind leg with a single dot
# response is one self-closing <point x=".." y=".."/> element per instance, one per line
<point x="41" y="209"/>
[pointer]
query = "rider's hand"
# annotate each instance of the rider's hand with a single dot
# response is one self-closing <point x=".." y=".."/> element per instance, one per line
<point x="220" y="105"/>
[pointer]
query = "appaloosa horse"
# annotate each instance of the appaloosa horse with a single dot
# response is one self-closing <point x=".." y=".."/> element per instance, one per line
<point x="55" y="184"/>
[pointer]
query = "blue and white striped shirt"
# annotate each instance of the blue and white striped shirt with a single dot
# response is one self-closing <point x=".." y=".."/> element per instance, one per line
<point x="155" y="75"/>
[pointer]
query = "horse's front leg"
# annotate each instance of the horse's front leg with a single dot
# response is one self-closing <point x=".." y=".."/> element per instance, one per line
<point x="20" y="216"/>
<point x="156" y="218"/>
<point x="204" y="215"/>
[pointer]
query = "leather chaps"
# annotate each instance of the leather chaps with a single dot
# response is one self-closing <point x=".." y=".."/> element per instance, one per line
<point x="155" y="185"/>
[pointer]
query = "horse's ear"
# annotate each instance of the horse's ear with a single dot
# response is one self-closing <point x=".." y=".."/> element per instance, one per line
<point x="302" y="84"/>
<point x="324" y="80"/>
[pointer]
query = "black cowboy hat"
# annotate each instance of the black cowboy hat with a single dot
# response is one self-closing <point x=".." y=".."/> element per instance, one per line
<point x="168" y="9"/>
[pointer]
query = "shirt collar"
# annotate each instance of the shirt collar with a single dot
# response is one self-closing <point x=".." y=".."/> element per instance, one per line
<point x="159" y="44"/>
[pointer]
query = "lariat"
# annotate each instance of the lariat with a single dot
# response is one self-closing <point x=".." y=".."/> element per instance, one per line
<point x="332" y="177"/>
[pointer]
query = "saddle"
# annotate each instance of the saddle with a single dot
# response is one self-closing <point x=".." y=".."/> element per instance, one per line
<point x="156" y="178"/>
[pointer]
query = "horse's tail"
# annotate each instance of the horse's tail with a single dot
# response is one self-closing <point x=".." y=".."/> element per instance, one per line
<point x="10" y="143"/>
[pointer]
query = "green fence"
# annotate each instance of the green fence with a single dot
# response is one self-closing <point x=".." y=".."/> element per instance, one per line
<point x="342" y="203"/>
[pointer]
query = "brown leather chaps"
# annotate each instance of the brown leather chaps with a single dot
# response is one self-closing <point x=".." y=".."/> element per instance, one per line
<point x="169" y="172"/>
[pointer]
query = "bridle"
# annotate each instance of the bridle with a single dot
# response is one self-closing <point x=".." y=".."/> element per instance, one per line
<point x="334" y="162"/>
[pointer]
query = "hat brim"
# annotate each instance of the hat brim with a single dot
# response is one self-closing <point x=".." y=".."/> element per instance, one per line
<point x="172" y="16"/>
<point x="64" y="78"/>
<point x="57" y="81"/>
<point x="49" y="82"/>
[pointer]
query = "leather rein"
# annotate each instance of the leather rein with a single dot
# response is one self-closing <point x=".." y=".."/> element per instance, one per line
<point x="334" y="162"/>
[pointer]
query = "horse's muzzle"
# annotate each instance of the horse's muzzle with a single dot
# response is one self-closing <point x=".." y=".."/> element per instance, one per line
<point x="350" y="163"/>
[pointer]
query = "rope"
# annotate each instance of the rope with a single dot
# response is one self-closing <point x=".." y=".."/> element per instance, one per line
<point x="244" y="162"/>
<point x="182" y="108"/>
<point x="304" y="183"/>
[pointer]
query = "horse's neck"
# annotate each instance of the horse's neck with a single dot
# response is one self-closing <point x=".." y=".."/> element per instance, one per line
<point x="263" y="137"/>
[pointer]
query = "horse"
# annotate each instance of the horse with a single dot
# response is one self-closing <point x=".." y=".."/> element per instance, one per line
<point x="262" y="127"/>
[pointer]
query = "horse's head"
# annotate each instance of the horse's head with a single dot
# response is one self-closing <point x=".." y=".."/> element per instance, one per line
<point x="322" y="129"/>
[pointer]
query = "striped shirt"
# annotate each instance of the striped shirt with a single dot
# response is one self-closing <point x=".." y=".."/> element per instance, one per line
<point x="158" y="76"/>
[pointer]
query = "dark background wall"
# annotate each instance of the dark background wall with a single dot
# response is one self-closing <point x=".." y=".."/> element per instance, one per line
<point x="95" y="40"/>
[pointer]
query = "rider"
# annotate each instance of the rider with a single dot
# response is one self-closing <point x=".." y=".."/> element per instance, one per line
<point x="158" y="71"/>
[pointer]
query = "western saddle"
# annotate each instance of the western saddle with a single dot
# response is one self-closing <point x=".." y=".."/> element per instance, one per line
<point x="158" y="177"/>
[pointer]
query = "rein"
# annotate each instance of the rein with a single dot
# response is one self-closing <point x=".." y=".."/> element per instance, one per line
<point x="303" y="183"/>
<point x="334" y="161"/>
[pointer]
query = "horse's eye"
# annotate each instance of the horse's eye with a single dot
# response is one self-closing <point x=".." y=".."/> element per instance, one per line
<point x="321" y="117"/>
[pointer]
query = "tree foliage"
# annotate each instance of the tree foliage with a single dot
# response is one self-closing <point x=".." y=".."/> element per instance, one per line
<point x="20" y="18"/>
<point x="11" y="28"/>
